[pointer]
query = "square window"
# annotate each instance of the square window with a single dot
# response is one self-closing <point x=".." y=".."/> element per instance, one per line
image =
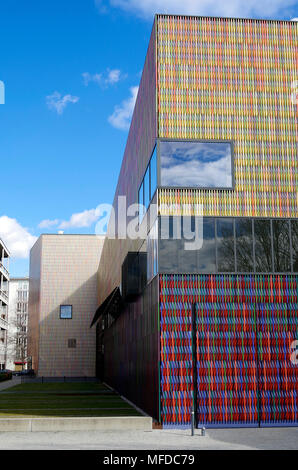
<point x="66" y="312"/>
<point x="72" y="343"/>
<point x="193" y="164"/>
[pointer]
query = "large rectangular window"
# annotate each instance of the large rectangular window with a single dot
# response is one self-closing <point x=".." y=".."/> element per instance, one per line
<point x="193" y="164"/>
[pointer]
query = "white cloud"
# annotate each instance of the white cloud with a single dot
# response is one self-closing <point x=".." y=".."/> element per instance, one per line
<point x="48" y="223"/>
<point x="58" y="103"/>
<point x="81" y="219"/>
<point x="104" y="79"/>
<point x="226" y="8"/>
<point x="17" y="238"/>
<point x="122" y="113"/>
<point x="113" y="76"/>
<point x="294" y="19"/>
<point x="97" y="78"/>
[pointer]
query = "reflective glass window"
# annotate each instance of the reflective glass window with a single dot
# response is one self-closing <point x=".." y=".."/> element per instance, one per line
<point x="263" y="249"/>
<point x="225" y="245"/>
<point x="244" y="245"/>
<point x="281" y="246"/>
<point x="152" y="251"/>
<point x="168" y="247"/>
<point x="153" y="174"/>
<point x="66" y="312"/>
<point x="294" y="234"/>
<point x="146" y="189"/>
<point x="196" y="164"/>
<point x="206" y="254"/>
<point x="141" y="202"/>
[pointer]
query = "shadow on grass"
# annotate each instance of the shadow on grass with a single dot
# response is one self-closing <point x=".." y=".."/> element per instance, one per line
<point x="63" y="400"/>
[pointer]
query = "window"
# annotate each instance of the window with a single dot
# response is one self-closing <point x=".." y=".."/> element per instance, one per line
<point x="206" y="255"/>
<point x="153" y="174"/>
<point x="141" y="202"/>
<point x="263" y="248"/>
<point x="72" y="343"/>
<point x="294" y="236"/>
<point x="244" y="246"/>
<point x="66" y="312"/>
<point x="152" y="251"/>
<point x="175" y="232"/>
<point x="148" y="186"/>
<point x="225" y="245"/>
<point x="196" y="164"/>
<point x="281" y="245"/>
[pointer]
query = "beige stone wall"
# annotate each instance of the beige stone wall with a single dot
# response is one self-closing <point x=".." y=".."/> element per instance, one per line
<point x="34" y="307"/>
<point x="68" y="276"/>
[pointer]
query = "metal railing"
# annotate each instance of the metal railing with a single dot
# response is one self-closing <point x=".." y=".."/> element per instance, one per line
<point x="4" y="269"/>
<point x="4" y="294"/>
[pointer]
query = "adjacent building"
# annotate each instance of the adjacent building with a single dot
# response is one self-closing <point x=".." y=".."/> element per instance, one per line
<point x="17" y="356"/>
<point x="62" y="301"/>
<point x="207" y="323"/>
<point x="4" y="292"/>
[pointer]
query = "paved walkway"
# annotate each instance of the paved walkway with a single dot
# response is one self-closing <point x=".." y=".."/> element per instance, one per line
<point x="215" y="439"/>
<point x="10" y="383"/>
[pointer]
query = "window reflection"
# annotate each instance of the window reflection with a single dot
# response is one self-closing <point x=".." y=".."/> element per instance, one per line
<point x="153" y="173"/>
<point x="281" y="245"/>
<point x="244" y="251"/>
<point x="196" y="164"/>
<point x="251" y="235"/>
<point x="294" y="233"/>
<point x="146" y="189"/>
<point x="148" y="185"/>
<point x="225" y="245"/>
<point x="152" y="251"/>
<point x="141" y="202"/>
<point x="263" y="253"/>
<point x="206" y="255"/>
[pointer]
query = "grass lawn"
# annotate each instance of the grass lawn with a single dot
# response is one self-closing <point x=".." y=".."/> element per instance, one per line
<point x="62" y="400"/>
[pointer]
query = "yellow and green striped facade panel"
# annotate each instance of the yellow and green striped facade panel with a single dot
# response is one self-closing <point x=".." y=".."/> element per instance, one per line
<point x="232" y="79"/>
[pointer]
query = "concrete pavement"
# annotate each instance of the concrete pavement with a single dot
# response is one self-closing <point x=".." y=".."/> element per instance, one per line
<point x="215" y="439"/>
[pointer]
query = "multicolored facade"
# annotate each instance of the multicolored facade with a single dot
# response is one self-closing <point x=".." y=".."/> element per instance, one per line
<point x="215" y="80"/>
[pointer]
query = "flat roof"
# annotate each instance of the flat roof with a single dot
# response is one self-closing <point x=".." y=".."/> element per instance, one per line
<point x="224" y="18"/>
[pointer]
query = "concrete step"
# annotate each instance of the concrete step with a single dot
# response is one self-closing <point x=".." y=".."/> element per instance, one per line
<point x="129" y="423"/>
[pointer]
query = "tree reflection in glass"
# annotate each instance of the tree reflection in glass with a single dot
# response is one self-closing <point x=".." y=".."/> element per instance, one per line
<point x="244" y="252"/>
<point x="263" y="251"/>
<point x="225" y="245"/>
<point x="281" y="245"/>
<point x="294" y="233"/>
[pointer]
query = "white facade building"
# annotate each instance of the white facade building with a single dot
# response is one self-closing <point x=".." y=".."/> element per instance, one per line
<point x="4" y="283"/>
<point x="17" y="324"/>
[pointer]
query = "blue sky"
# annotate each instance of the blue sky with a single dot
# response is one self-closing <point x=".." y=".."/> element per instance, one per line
<point x="71" y="71"/>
